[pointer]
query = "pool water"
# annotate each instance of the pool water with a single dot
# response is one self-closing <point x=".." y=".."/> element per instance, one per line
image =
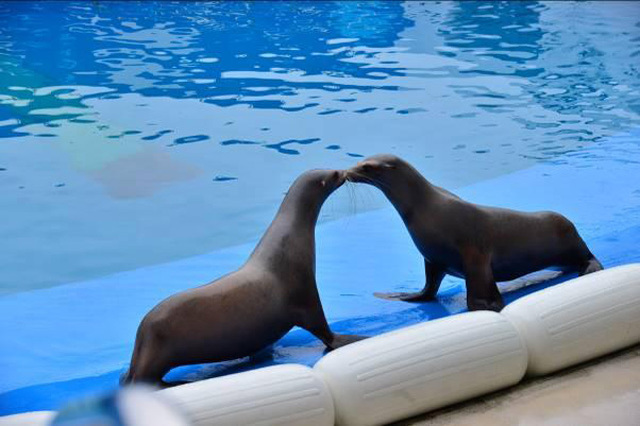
<point x="145" y="147"/>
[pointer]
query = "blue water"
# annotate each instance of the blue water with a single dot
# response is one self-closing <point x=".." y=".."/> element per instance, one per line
<point x="144" y="147"/>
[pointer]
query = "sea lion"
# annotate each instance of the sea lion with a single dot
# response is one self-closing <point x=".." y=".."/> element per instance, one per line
<point x="249" y="309"/>
<point x="478" y="243"/>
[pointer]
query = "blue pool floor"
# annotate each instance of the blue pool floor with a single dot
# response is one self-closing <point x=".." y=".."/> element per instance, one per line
<point x="67" y="341"/>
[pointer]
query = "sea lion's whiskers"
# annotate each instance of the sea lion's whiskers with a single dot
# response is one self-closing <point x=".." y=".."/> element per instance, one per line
<point x="353" y="198"/>
<point x="350" y="195"/>
<point x="379" y="183"/>
<point x="366" y="195"/>
<point x="366" y="180"/>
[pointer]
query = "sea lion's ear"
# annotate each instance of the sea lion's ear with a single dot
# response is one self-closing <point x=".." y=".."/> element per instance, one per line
<point x="323" y="183"/>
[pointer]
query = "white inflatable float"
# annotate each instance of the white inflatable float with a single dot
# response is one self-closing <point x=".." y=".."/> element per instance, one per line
<point x="426" y="366"/>
<point x="579" y="319"/>
<point x="34" y="418"/>
<point x="280" y="395"/>
<point x="423" y="367"/>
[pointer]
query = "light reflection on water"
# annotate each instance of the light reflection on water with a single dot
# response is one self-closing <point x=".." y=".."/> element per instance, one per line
<point x="133" y="134"/>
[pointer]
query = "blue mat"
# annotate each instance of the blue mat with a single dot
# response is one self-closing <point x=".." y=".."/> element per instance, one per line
<point x="64" y="342"/>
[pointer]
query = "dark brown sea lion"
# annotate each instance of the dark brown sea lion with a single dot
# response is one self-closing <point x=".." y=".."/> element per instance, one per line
<point x="478" y="243"/>
<point x="247" y="310"/>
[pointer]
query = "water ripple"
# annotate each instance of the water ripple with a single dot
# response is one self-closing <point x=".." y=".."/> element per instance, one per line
<point x="261" y="91"/>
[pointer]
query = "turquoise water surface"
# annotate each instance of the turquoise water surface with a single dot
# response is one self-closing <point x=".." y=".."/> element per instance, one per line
<point x="145" y="147"/>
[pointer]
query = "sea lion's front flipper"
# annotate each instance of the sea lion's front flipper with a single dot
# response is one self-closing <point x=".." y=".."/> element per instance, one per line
<point x="433" y="277"/>
<point x="311" y="318"/>
<point x="482" y="291"/>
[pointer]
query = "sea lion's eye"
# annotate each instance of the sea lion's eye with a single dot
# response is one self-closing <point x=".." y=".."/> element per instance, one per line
<point x="323" y="183"/>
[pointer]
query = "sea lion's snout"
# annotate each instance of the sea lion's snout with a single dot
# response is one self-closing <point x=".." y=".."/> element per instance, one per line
<point x="375" y="170"/>
<point x="340" y="178"/>
<point x="335" y="179"/>
<point x="349" y="176"/>
<point x="352" y="175"/>
<point x="361" y="172"/>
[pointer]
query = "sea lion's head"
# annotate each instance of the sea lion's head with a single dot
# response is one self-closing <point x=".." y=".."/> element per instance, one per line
<point x="378" y="170"/>
<point x="323" y="182"/>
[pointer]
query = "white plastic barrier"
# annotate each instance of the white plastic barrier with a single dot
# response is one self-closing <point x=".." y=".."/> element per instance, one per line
<point x="423" y="367"/>
<point x="34" y="418"/>
<point x="579" y="319"/>
<point x="426" y="366"/>
<point x="279" y="395"/>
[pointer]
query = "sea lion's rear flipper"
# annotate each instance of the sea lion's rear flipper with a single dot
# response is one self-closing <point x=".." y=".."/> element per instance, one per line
<point x="125" y="378"/>
<point x="593" y="265"/>
<point x="340" y="340"/>
<point x="418" y="296"/>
